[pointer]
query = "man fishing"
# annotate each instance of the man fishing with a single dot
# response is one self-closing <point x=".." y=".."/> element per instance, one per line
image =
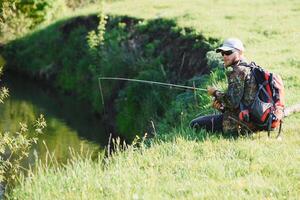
<point x="254" y="99"/>
<point x="240" y="94"/>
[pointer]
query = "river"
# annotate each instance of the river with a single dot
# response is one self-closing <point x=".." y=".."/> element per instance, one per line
<point x="70" y="123"/>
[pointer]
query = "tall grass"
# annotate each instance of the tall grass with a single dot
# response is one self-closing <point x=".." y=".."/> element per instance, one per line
<point x="182" y="168"/>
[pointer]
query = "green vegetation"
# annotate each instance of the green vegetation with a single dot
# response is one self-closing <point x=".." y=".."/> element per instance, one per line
<point x="15" y="146"/>
<point x="183" y="168"/>
<point x="133" y="48"/>
<point x="268" y="28"/>
<point x="152" y="44"/>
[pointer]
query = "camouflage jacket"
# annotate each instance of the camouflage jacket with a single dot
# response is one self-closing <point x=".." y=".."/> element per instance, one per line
<point x="241" y="88"/>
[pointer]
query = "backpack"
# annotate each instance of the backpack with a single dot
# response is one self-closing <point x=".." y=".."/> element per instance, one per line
<point x="267" y="109"/>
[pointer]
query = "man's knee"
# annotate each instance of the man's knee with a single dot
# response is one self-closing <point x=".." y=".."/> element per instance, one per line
<point x="210" y="122"/>
<point x="199" y="121"/>
<point x="194" y="123"/>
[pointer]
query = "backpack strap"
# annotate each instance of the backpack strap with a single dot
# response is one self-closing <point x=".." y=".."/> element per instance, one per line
<point x="244" y="63"/>
<point x="272" y="87"/>
<point x="269" y="125"/>
<point x="279" y="131"/>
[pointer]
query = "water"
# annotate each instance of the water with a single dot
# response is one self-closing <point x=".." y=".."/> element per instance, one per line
<point x="70" y="123"/>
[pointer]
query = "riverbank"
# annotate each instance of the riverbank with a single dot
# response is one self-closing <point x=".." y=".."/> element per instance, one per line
<point x="156" y="50"/>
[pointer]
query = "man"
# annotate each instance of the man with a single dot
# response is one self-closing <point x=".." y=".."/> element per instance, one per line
<point x="240" y="94"/>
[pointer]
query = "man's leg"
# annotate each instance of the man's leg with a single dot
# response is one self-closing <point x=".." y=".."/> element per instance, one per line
<point x="211" y="123"/>
<point x="230" y="126"/>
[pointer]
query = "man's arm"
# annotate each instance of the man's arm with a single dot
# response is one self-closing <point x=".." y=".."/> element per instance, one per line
<point x="235" y="92"/>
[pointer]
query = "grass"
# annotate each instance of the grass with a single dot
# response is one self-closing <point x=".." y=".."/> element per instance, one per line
<point x="186" y="167"/>
<point x="178" y="169"/>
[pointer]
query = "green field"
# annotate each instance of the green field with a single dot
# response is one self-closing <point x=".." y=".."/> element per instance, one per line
<point x="186" y="166"/>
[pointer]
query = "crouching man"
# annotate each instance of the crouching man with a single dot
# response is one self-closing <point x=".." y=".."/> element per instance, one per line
<point x="240" y="94"/>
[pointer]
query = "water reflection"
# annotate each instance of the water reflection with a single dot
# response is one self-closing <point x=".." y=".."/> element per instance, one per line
<point x="69" y="124"/>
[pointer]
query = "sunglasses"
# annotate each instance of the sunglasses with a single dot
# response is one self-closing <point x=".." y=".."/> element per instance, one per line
<point x="227" y="53"/>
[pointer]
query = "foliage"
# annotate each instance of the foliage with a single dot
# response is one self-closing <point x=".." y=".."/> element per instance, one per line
<point x="30" y="14"/>
<point x="14" y="147"/>
<point x="96" y="39"/>
<point x="4" y="93"/>
<point x="119" y="47"/>
<point x="152" y="99"/>
<point x="73" y="4"/>
<point x="35" y="10"/>
<point x="27" y="13"/>
<point x="10" y="19"/>
<point x="191" y="104"/>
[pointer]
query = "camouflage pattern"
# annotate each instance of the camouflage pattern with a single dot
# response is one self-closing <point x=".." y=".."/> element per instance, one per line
<point x="230" y="125"/>
<point x="240" y="94"/>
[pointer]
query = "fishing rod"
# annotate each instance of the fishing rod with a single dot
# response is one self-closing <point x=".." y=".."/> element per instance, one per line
<point x="182" y="87"/>
<point x="152" y="82"/>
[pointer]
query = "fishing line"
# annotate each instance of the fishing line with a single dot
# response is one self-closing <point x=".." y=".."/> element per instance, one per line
<point x="180" y="87"/>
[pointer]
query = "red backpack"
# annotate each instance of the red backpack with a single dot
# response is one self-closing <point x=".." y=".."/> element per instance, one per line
<point x="267" y="109"/>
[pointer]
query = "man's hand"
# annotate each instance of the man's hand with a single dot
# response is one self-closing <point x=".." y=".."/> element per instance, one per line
<point x="244" y="115"/>
<point x="217" y="105"/>
<point x="211" y="90"/>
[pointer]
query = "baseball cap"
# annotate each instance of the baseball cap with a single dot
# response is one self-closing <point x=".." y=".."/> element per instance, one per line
<point x="231" y="44"/>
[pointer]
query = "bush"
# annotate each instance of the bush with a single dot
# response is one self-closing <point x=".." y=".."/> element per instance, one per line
<point x="10" y="19"/>
<point x="18" y="17"/>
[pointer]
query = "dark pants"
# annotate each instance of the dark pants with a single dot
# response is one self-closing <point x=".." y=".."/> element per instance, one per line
<point x="211" y="123"/>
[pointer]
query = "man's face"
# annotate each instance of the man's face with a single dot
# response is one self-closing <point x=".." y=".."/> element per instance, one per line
<point x="230" y="57"/>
